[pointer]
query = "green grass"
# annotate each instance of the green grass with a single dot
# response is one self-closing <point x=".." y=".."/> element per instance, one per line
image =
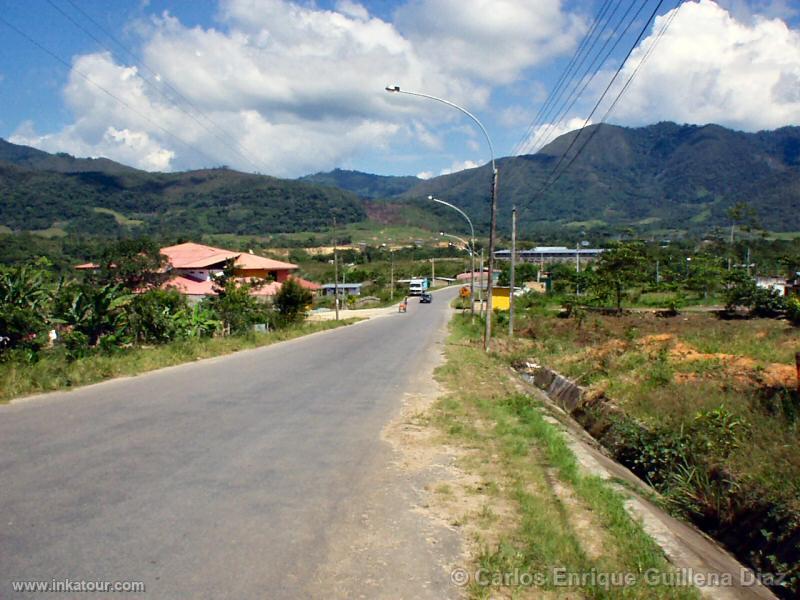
<point x="118" y="217"/>
<point x="50" y="232"/>
<point x="55" y="372"/>
<point x="525" y="452"/>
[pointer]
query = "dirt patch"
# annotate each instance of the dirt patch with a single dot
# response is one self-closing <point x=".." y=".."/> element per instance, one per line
<point x="587" y="530"/>
<point x="459" y="498"/>
<point x="742" y="369"/>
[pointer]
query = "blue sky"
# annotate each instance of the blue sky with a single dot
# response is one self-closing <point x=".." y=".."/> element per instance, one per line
<point x="289" y="88"/>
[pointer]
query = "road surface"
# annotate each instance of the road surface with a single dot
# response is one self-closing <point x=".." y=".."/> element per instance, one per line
<point x="226" y="477"/>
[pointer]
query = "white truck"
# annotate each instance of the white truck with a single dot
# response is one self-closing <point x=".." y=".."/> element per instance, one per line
<point x="417" y="286"/>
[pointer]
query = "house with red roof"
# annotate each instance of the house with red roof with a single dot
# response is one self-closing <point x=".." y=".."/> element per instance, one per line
<point x="192" y="268"/>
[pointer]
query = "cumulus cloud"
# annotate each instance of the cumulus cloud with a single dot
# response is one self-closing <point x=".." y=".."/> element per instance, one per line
<point x="547" y="132"/>
<point x="492" y="40"/>
<point x="460" y="166"/>
<point x="296" y="88"/>
<point x="712" y="67"/>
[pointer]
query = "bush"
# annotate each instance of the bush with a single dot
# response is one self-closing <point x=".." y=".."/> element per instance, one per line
<point x="76" y="344"/>
<point x="291" y="301"/>
<point x="155" y="316"/>
<point x="793" y="310"/>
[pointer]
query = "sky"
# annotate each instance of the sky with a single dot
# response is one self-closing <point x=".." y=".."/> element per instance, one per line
<point x="288" y="88"/>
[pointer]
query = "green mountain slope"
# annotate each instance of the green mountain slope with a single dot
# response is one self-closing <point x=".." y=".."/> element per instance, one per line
<point x="664" y="176"/>
<point x="31" y="158"/>
<point x="365" y="185"/>
<point x="184" y="204"/>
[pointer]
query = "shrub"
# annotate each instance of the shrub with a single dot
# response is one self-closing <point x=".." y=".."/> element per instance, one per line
<point x="155" y="316"/>
<point x="793" y="310"/>
<point x="291" y="301"/>
<point x="76" y="344"/>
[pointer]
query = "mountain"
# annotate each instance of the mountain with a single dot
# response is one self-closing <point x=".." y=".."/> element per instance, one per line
<point x="661" y="177"/>
<point x="97" y="196"/>
<point x="31" y="158"/>
<point x="366" y="185"/>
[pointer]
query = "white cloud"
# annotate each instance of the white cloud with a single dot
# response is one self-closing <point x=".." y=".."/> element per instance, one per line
<point x="711" y="67"/>
<point x="298" y="88"/>
<point x="491" y="40"/>
<point x="546" y="133"/>
<point x="460" y="166"/>
<point x="425" y="174"/>
<point x="352" y="9"/>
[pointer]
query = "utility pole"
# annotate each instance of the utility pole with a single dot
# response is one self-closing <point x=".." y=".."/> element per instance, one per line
<point x="391" y="290"/>
<point x="748" y="260"/>
<point x="513" y="265"/>
<point x="335" y="272"/>
<point x="480" y="287"/>
<point x="433" y="272"/>
<point x="492" y="231"/>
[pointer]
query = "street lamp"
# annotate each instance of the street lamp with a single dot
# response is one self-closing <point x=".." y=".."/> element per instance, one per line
<point x="395" y="89"/>
<point x="472" y="251"/>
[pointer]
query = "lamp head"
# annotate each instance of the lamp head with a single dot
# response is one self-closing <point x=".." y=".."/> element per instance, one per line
<point x="392" y="88"/>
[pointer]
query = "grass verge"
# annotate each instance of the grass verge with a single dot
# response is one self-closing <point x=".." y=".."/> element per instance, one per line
<point x="55" y="372"/>
<point x="561" y="525"/>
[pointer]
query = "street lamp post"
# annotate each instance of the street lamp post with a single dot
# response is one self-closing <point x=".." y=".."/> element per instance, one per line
<point x="472" y="251"/>
<point x="488" y="332"/>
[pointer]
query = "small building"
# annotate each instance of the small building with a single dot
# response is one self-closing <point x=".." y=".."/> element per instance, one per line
<point x="777" y="284"/>
<point x="192" y="268"/>
<point x="345" y="289"/>
<point x="551" y="254"/>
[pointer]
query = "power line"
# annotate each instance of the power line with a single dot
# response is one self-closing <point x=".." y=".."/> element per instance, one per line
<point x="622" y="91"/>
<point x="595" y="66"/>
<point x="571" y="83"/>
<point x="550" y="97"/>
<point x="602" y="97"/>
<point x="237" y="150"/>
<point x="103" y="89"/>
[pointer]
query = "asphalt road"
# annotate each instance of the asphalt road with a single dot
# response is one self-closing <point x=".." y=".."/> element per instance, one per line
<point x="216" y="479"/>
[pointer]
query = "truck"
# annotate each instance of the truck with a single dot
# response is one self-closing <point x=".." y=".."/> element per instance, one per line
<point x="416" y="286"/>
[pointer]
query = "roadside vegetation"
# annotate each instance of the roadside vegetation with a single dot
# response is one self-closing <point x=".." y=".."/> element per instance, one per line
<point x="58" y="332"/>
<point x="703" y="405"/>
<point x="539" y="512"/>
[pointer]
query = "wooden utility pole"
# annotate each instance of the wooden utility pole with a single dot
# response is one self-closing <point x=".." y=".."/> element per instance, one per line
<point x="335" y="272"/>
<point x="513" y="265"/>
<point x="480" y="286"/>
<point x="487" y="337"/>
<point x="391" y="290"/>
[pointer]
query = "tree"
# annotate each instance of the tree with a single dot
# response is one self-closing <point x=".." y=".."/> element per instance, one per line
<point x="705" y="275"/>
<point x="98" y="311"/>
<point x="135" y="264"/>
<point x="744" y="215"/>
<point x="743" y="291"/>
<point x="24" y="305"/>
<point x="617" y="269"/>
<point x="523" y="271"/>
<point x="156" y="316"/>
<point x="291" y="300"/>
<point x="234" y="305"/>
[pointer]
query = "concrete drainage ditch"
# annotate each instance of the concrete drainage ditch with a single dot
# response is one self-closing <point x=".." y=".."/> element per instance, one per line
<point x="715" y="572"/>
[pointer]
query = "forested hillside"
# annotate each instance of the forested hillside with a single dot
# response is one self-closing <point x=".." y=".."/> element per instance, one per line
<point x="110" y="201"/>
<point x="365" y="185"/>
<point x="664" y="176"/>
